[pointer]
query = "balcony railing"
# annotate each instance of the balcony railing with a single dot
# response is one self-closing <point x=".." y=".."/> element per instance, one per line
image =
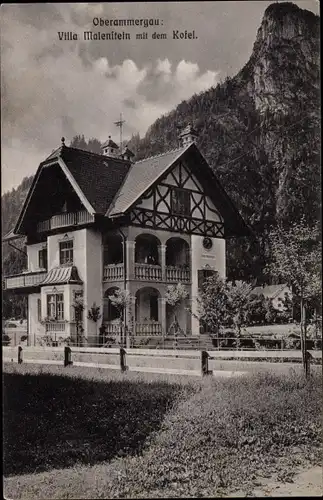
<point x="148" y="328"/>
<point x="55" y="327"/>
<point x="24" y="280"/>
<point x="64" y="220"/>
<point x="148" y="272"/>
<point x="177" y="274"/>
<point x="113" y="272"/>
<point x="112" y="328"/>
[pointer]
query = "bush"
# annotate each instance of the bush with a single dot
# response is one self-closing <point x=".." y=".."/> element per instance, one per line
<point x="5" y="339"/>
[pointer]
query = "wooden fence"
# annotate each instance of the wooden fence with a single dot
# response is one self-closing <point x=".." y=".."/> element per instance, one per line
<point x="158" y="361"/>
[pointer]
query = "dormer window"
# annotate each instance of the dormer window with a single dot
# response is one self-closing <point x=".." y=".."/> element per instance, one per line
<point x="180" y="202"/>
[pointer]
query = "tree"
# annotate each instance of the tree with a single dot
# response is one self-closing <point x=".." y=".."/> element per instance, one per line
<point x="174" y="296"/>
<point x="238" y="304"/>
<point x="295" y="259"/>
<point x="94" y="315"/>
<point x="78" y="310"/>
<point x="212" y="304"/>
<point x="93" y="145"/>
<point x="121" y="299"/>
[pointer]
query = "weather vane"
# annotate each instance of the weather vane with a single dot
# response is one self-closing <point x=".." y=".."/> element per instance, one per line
<point x="119" y="124"/>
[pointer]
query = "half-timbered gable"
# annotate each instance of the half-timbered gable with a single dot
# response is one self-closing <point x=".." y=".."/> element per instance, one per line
<point x="178" y="203"/>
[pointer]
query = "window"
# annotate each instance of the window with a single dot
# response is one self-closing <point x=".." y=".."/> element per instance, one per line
<point x="42" y="258"/>
<point x="55" y="306"/>
<point x="181" y="202"/>
<point x="66" y="252"/>
<point x="39" y="310"/>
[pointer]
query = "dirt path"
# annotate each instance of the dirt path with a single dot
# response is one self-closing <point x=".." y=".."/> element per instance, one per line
<point x="308" y="483"/>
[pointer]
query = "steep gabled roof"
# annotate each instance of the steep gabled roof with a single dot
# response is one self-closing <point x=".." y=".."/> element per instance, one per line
<point x="95" y="178"/>
<point x="110" y="143"/>
<point x="111" y="186"/>
<point x="98" y="176"/>
<point x="140" y="177"/>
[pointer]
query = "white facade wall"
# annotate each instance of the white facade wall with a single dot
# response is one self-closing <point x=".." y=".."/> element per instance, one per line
<point x="93" y="275"/>
<point x="32" y="256"/>
<point x="79" y="249"/>
<point x="35" y="328"/>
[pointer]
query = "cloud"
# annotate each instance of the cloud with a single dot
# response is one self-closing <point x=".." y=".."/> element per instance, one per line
<point x="53" y="89"/>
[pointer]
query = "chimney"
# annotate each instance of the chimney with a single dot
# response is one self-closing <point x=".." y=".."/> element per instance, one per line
<point x="188" y="135"/>
<point x="127" y="154"/>
<point x="110" y="148"/>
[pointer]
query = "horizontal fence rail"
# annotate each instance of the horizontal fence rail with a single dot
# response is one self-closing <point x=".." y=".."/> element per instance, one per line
<point x="149" y="336"/>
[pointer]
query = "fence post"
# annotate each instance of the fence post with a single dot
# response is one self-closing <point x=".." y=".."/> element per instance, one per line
<point x="204" y="363"/>
<point x="308" y="357"/>
<point x="123" y="366"/>
<point x="67" y="356"/>
<point x="19" y="354"/>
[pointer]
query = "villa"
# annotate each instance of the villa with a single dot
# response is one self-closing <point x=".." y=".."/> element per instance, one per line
<point x="93" y="223"/>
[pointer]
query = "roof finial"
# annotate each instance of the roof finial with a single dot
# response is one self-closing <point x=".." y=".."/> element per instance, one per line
<point x="63" y="141"/>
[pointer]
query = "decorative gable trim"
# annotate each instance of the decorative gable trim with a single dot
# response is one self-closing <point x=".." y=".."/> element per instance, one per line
<point x="146" y="188"/>
<point x="69" y="177"/>
<point x="29" y="195"/>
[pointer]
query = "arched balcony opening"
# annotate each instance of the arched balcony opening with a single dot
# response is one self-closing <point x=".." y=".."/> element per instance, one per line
<point x="177" y="260"/>
<point x="113" y="258"/>
<point x="147" y="258"/>
<point x="147" y="311"/>
<point x="147" y="249"/>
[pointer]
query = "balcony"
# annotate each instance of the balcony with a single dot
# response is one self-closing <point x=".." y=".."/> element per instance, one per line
<point x="65" y="220"/>
<point x="24" y="280"/>
<point x="148" y="272"/>
<point x="55" y="326"/>
<point x="148" y="329"/>
<point x="113" y="272"/>
<point x="178" y="274"/>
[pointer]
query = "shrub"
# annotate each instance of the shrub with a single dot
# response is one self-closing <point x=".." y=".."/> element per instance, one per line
<point x="5" y="339"/>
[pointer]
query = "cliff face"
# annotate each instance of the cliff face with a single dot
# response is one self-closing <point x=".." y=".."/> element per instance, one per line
<point x="285" y="61"/>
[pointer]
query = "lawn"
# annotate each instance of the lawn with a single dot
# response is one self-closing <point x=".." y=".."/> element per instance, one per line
<point x="100" y="434"/>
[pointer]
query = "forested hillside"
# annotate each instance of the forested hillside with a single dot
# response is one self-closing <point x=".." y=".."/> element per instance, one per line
<point x="259" y="131"/>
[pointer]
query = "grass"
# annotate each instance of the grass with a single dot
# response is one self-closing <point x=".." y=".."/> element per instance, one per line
<point x="190" y="437"/>
<point x="55" y="420"/>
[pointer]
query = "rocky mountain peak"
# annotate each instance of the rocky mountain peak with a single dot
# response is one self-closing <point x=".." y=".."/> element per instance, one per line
<point x="286" y="44"/>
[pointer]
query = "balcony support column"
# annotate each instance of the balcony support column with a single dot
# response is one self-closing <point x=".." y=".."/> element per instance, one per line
<point x="130" y="259"/>
<point x="162" y="260"/>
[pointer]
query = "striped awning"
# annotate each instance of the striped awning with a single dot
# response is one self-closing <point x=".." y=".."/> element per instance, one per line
<point x="62" y="275"/>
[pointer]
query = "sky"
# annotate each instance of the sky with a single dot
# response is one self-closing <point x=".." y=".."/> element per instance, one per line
<point x="52" y="88"/>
